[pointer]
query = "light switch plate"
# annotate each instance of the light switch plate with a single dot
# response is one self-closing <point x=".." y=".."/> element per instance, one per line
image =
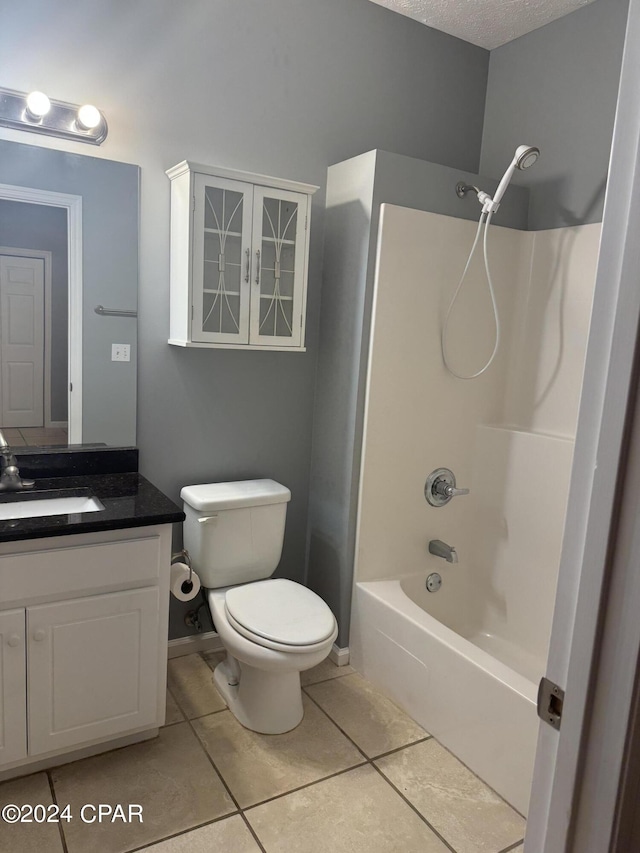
<point x="120" y="352"/>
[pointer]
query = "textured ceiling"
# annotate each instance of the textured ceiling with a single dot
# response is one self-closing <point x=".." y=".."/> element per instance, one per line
<point x="487" y="23"/>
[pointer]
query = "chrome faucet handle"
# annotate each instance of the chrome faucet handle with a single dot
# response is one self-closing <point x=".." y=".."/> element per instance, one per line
<point x="441" y="487"/>
<point x="449" y="491"/>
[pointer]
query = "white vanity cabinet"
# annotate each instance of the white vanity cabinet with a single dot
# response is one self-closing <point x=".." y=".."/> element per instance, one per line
<point x="239" y="259"/>
<point x="83" y="627"/>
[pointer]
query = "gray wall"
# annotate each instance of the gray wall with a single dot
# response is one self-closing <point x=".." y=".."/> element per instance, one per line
<point x="283" y="87"/>
<point x="557" y="88"/>
<point x="38" y="227"/>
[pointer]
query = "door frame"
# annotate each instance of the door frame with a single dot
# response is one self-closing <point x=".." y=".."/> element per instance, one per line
<point x="578" y="783"/>
<point x="73" y="206"/>
<point x="45" y="256"/>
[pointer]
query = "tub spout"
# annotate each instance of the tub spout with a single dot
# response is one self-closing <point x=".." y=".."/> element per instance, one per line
<point x="441" y="549"/>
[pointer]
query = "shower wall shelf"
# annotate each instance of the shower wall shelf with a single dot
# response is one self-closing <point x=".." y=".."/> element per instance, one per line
<point x="239" y="259"/>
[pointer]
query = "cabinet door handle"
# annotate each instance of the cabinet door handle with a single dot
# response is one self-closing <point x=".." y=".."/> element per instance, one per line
<point x="14" y="640"/>
<point x="258" y="267"/>
<point x="39" y="636"/>
<point x="247" y="276"/>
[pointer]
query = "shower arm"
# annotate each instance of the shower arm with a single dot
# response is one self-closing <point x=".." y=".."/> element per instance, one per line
<point x="462" y="189"/>
<point x="488" y="204"/>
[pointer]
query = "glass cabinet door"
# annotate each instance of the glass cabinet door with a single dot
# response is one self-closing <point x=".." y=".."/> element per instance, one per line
<point x="277" y="288"/>
<point x="221" y="260"/>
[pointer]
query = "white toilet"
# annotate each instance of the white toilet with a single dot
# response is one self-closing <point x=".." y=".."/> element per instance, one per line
<point x="271" y="629"/>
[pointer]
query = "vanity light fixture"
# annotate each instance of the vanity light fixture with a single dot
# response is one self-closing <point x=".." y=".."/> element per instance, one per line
<point x="37" y="113"/>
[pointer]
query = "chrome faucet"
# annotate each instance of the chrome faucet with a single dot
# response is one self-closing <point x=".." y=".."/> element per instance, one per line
<point x="10" y="479"/>
<point x="441" y="549"/>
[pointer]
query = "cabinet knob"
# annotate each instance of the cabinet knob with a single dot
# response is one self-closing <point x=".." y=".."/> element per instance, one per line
<point x="14" y="640"/>
<point x="39" y="636"/>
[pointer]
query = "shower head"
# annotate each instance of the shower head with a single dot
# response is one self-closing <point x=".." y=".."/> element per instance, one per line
<point x="525" y="156"/>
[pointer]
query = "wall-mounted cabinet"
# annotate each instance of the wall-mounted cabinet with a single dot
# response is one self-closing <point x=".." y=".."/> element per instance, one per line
<point x="239" y="259"/>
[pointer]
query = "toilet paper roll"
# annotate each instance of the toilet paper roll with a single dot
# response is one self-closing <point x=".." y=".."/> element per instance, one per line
<point x="181" y="587"/>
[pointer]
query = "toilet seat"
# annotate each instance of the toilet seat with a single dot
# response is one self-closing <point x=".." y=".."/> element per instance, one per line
<point x="280" y="614"/>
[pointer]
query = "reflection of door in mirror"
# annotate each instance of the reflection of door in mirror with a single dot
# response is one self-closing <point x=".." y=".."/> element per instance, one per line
<point x="33" y="324"/>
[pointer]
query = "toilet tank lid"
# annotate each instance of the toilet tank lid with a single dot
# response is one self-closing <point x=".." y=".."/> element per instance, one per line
<point x="242" y="493"/>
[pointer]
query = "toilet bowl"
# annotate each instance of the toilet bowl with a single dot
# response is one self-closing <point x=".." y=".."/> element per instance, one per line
<point x="271" y="628"/>
<point x="260" y="677"/>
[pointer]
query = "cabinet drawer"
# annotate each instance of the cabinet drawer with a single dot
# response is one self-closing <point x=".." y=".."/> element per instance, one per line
<point x="81" y="567"/>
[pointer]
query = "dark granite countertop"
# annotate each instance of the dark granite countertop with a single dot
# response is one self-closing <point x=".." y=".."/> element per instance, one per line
<point x="129" y="501"/>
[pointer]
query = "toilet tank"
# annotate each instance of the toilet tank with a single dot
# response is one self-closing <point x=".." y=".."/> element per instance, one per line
<point x="234" y="531"/>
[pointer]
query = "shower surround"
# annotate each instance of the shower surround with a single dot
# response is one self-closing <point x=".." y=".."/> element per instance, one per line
<point x="465" y="661"/>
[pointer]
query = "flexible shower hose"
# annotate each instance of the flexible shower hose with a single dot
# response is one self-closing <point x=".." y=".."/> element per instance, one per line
<point x="486" y="220"/>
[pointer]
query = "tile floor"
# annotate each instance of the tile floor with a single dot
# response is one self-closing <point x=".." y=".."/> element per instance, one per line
<point x="36" y="436"/>
<point x="356" y="775"/>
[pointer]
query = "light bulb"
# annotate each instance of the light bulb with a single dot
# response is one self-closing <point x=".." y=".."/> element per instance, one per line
<point x="38" y="105"/>
<point x="88" y="117"/>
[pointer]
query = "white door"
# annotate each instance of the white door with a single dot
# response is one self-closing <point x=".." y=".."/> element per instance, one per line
<point x="13" y="687"/>
<point x="93" y="668"/>
<point x="21" y="342"/>
<point x="595" y="638"/>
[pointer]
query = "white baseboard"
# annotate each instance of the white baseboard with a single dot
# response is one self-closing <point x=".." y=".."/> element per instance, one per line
<point x="339" y="656"/>
<point x="207" y="642"/>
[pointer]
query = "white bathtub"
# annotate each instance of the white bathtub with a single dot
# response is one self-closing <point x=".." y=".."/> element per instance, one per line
<point x="459" y="682"/>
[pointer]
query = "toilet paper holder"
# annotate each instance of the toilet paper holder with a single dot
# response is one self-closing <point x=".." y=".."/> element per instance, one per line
<point x="183" y="556"/>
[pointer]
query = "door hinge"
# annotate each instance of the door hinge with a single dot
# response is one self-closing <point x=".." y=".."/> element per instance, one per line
<point x="71" y="386"/>
<point x="306" y="222"/>
<point x="550" y="702"/>
<point x="193" y="203"/>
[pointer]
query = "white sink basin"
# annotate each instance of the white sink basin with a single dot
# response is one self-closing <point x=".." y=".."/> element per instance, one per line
<point x="39" y="507"/>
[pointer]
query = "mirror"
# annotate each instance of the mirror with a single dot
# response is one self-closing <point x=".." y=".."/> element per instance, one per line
<point x="68" y="246"/>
